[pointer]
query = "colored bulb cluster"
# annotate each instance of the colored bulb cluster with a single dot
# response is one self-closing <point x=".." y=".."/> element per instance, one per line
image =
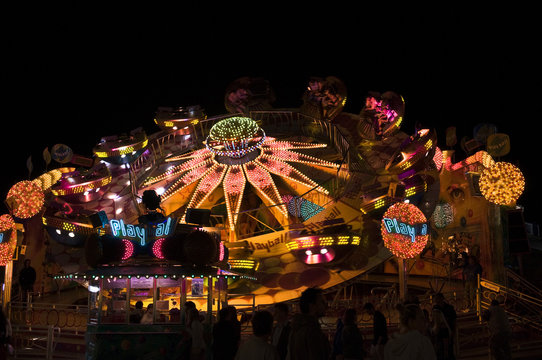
<point x="235" y="128"/>
<point x="128" y="249"/>
<point x="157" y="248"/>
<point x="502" y="183"/>
<point x="26" y="199"/>
<point x="6" y="222"/>
<point x="443" y="215"/>
<point x="399" y="244"/>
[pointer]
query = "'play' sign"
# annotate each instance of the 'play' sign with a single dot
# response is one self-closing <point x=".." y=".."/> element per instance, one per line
<point x="394" y="227"/>
<point x="143" y="233"/>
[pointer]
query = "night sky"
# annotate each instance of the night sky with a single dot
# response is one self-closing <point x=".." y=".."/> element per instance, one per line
<point x="73" y="79"/>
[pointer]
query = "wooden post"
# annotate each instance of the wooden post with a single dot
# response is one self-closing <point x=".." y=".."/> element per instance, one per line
<point x="402" y="277"/>
<point x="209" y="299"/>
<point x="8" y="280"/>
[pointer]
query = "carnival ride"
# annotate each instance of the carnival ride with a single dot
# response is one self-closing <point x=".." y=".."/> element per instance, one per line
<point x="294" y="197"/>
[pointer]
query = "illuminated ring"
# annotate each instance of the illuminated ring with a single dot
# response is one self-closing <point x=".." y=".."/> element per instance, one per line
<point x="306" y="242"/>
<point x="82" y="187"/>
<point x="423" y="144"/>
<point x="121" y="150"/>
<point x="386" y="200"/>
<point x="72" y="226"/>
<point x="242" y="263"/>
<point x="236" y="153"/>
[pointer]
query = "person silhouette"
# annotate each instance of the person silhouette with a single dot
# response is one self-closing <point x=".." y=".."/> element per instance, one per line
<point x="27" y="278"/>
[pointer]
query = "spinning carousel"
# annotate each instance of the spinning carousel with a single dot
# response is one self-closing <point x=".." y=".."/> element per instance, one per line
<point x="258" y="203"/>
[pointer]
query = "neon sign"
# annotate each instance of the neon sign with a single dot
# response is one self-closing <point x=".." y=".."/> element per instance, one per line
<point x="395" y="227"/>
<point x="142" y="233"/>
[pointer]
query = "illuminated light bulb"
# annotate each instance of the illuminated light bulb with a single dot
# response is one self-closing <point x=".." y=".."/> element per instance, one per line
<point x="118" y="211"/>
<point x="308" y="252"/>
<point x="323" y="251"/>
<point x="71" y="234"/>
<point x="160" y="190"/>
<point x="58" y="231"/>
<point x="502" y="183"/>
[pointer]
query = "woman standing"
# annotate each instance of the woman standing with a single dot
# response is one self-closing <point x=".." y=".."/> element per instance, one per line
<point x="195" y="327"/>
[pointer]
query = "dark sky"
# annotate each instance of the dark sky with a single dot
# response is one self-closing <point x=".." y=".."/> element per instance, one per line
<point x="73" y="79"/>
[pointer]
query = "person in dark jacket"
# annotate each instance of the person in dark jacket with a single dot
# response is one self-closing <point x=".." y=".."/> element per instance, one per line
<point x="380" y="330"/>
<point x="450" y="316"/>
<point x="281" y="330"/>
<point x="351" y="338"/>
<point x="307" y="340"/>
<point x="226" y="334"/>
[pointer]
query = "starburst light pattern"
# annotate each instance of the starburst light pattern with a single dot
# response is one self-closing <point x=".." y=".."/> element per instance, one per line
<point x="212" y="169"/>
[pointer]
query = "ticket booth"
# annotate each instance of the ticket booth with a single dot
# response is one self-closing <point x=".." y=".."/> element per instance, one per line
<point x="114" y="322"/>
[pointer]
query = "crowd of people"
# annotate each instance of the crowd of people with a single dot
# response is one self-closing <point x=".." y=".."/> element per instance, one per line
<point x="279" y="333"/>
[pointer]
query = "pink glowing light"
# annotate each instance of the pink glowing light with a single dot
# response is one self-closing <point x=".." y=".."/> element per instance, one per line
<point x="437" y="158"/>
<point x="262" y="181"/>
<point x="293" y="156"/>
<point x="318" y="256"/>
<point x="128" y="249"/>
<point x="271" y="143"/>
<point x="207" y="185"/>
<point x="188" y="178"/>
<point x="287" y="171"/>
<point x="157" y="248"/>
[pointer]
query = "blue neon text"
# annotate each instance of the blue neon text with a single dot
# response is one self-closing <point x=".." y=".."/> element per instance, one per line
<point x="141" y="232"/>
<point x="395" y="227"/>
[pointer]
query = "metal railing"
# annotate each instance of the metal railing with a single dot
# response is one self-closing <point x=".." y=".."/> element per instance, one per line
<point x="47" y="342"/>
<point x="62" y="316"/>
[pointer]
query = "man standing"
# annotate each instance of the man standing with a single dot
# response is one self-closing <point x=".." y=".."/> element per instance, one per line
<point x="281" y="330"/>
<point x="27" y="278"/>
<point x="307" y="340"/>
<point x="471" y="271"/>
<point x="380" y="331"/>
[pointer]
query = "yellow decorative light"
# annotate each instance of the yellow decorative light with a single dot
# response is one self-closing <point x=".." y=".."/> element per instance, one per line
<point x="317" y="240"/>
<point x="502" y="183"/>
<point x="25" y="199"/>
